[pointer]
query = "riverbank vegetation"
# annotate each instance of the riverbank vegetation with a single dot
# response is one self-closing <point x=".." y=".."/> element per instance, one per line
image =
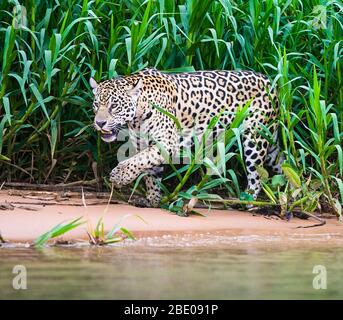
<point x="50" y="50"/>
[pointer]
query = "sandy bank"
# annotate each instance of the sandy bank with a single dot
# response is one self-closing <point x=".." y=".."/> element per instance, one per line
<point x="33" y="215"/>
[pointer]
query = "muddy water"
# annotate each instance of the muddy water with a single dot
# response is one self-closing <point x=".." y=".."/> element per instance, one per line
<point x="165" y="272"/>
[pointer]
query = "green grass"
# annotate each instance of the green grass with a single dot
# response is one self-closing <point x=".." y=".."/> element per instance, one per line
<point x="45" y="99"/>
<point x="57" y="231"/>
<point x="98" y="236"/>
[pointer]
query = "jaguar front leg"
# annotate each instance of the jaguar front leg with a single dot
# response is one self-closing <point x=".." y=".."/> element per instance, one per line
<point x="124" y="173"/>
<point x="163" y="148"/>
<point x="128" y="170"/>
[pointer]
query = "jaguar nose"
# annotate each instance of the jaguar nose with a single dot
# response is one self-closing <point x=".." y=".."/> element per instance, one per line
<point x="100" y="123"/>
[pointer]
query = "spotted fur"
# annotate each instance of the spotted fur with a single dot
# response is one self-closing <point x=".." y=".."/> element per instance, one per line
<point x="194" y="99"/>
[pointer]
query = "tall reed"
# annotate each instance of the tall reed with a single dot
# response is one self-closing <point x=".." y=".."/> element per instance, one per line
<point x="50" y="49"/>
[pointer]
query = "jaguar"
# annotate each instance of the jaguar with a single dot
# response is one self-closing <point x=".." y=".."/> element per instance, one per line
<point x="149" y="102"/>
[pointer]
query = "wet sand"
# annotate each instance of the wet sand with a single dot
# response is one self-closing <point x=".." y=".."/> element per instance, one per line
<point x="33" y="215"/>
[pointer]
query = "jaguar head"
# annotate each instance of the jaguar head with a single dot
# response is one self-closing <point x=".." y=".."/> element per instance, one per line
<point x="115" y="104"/>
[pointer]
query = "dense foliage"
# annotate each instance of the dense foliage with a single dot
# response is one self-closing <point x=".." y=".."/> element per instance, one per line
<point x="50" y="48"/>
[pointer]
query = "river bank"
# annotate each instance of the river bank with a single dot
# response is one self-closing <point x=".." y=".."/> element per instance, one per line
<point x="29" y="214"/>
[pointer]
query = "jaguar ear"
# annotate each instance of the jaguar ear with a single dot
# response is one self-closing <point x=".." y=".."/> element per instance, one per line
<point x="93" y="84"/>
<point x="135" y="91"/>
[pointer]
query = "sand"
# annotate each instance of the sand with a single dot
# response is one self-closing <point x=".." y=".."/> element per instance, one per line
<point x="34" y="214"/>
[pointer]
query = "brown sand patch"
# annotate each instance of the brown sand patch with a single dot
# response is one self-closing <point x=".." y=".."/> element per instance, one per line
<point x="32" y="216"/>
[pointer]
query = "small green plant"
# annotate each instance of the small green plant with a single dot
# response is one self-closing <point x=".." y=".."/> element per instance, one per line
<point x="98" y="236"/>
<point x="57" y="231"/>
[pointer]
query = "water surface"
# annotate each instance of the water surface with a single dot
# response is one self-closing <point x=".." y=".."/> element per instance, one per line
<point x="148" y="272"/>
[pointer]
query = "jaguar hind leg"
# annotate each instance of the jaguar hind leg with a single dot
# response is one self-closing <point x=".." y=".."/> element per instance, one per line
<point x="275" y="158"/>
<point x="255" y="150"/>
